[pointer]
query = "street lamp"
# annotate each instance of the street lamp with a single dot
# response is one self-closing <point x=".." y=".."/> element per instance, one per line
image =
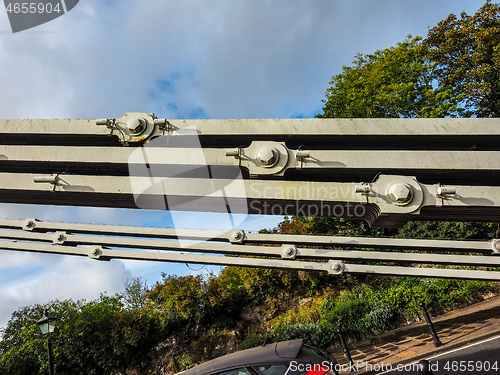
<point x="47" y="324"/>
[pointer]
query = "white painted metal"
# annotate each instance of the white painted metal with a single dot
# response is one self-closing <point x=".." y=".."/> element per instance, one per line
<point x="109" y="242"/>
<point x="292" y="164"/>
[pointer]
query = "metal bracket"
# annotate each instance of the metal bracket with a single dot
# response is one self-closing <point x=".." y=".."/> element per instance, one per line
<point x="263" y="157"/>
<point x="136" y="127"/>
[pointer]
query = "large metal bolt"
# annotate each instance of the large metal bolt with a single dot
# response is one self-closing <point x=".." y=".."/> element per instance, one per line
<point x="236" y="236"/>
<point x="288" y="251"/>
<point x="136" y="125"/>
<point x="29" y="224"/>
<point x="496" y="246"/>
<point x="400" y="193"/>
<point x="59" y="238"/>
<point x="268" y="156"/>
<point x="336" y="267"/>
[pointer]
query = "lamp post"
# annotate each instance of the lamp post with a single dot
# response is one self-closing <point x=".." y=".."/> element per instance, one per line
<point x="47" y="324"/>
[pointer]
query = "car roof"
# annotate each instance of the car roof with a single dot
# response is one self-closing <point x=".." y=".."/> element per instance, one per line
<point x="272" y="353"/>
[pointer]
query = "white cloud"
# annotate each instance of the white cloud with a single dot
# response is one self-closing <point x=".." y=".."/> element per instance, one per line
<point x="61" y="278"/>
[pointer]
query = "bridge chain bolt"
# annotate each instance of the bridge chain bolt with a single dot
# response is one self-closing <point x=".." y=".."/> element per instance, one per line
<point x="59" y="238"/>
<point x="136" y="125"/>
<point x="496" y="246"/>
<point x="268" y="156"/>
<point x="400" y="194"/>
<point x="95" y="252"/>
<point x="29" y="224"/>
<point x="288" y="251"/>
<point x="337" y="267"/>
<point x="236" y="236"/>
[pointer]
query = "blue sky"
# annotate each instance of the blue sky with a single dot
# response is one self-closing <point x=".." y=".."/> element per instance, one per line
<point x="178" y="59"/>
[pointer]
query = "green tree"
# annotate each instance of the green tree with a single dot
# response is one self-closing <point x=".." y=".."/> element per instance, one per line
<point x="394" y="82"/>
<point x="95" y="337"/>
<point x="135" y="293"/>
<point x="466" y="52"/>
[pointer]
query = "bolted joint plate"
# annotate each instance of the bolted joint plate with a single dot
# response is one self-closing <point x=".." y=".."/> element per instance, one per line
<point x="397" y="194"/>
<point x="135" y="127"/>
<point x="266" y="157"/>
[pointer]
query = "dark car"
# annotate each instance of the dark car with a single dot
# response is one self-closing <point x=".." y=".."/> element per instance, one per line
<point x="282" y="358"/>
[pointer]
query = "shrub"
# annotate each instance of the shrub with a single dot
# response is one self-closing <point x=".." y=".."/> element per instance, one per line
<point x="310" y="332"/>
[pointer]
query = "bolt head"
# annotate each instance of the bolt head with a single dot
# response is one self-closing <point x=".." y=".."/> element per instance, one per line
<point x="268" y="156"/>
<point x="400" y="193"/>
<point x="29" y="224"/>
<point x="136" y="125"/>
<point x="496" y="246"/>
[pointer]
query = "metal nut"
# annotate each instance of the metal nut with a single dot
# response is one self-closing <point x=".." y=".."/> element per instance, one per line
<point x="495" y="245"/>
<point x="337" y="267"/>
<point x="400" y="193"/>
<point x="268" y="156"/>
<point x="136" y="125"/>
<point x="59" y="238"/>
<point x="236" y="235"/>
<point x="29" y="224"/>
<point x="95" y="252"/>
<point x="288" y="251"/>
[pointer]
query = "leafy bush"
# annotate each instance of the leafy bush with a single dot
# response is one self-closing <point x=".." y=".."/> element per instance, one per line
<point x="310" y="332"/>
<point x="355" y="316"/>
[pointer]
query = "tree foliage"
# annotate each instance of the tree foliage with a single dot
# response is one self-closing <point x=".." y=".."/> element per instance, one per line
<point x="466" y="52"/>
<point x="453" y="72"/>
<point x="90" y="338"/>
<point x="395" y="82"/>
